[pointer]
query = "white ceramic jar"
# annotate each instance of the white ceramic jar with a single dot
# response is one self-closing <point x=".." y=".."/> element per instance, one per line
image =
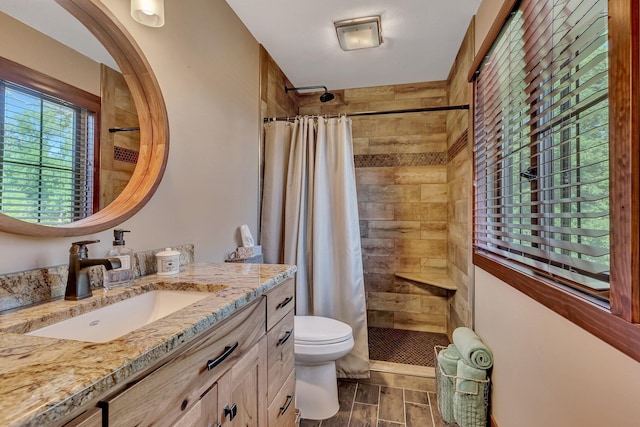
<point x="168" y="262"/>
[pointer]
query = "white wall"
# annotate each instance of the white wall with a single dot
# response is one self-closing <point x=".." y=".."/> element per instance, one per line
<point x="206" y="63"/>
<point x="548" y="371"/>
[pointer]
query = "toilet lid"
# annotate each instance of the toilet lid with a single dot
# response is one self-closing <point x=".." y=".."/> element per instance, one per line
<point x="320" y="330"/>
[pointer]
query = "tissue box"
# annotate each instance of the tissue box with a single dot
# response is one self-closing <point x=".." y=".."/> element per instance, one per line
<point x="248" y="251"/>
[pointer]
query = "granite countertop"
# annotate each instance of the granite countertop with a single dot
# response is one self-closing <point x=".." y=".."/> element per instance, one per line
<point x="44" y="379"/>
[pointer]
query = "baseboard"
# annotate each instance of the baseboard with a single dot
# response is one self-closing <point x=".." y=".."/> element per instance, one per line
<point x="402" y="376"/>
<point x="402" y="369"/>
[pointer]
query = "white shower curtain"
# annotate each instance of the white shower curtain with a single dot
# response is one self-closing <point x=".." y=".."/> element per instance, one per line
<point x="310" y="219"/>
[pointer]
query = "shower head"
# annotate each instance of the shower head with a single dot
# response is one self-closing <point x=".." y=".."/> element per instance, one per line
<point x="326" y="96"/>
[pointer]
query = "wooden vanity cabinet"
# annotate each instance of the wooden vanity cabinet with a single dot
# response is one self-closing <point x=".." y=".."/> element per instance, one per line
<point x="192" y="388"/>
<point x="239" y="373"/>
<point x="280" y="355"/>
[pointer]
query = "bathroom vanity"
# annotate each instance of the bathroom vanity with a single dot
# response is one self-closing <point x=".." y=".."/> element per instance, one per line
<point x="227" y="359"/>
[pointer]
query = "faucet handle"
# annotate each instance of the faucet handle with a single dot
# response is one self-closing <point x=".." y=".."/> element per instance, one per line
<point x="80" y="248"/>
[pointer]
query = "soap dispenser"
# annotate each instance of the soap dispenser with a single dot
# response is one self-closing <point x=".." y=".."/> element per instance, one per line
<point x="124" y="275"/>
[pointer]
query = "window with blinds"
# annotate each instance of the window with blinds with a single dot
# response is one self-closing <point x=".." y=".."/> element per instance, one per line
<point x="46" y="157"/>
<point x="542" y="143"/>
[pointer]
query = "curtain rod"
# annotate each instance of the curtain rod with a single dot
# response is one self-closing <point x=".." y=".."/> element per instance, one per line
<point x="375" y="113"/>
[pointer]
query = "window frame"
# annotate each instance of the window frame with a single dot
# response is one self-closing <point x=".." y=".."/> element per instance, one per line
<point x="40" y="82"/>
<point x="617" y="325"/>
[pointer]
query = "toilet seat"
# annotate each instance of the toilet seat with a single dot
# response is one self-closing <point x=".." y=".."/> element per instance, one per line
<point x="316" y="330"/>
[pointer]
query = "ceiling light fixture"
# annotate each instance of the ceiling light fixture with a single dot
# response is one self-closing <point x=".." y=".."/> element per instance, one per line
<point x="359" y="33"/>
<point x="148" y="12"/>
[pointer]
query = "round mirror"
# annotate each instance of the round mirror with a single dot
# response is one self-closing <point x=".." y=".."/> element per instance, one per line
<point x="132" y="112"/>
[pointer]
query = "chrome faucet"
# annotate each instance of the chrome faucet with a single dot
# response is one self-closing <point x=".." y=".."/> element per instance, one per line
<point x="78" y="284"/>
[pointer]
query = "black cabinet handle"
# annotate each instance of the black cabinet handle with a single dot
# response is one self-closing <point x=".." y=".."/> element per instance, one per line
<point x="231" y="411"/>
<point x="284" y="339"/>
<point x="225" y="353"/>
<point x="284" y="302"/>
<point x="287" y="403"/>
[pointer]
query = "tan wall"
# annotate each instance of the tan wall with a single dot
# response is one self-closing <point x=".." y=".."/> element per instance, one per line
<point x="207" y="65"/>
<point x="34" y="50"/>
<point x="459" y="185"/>
<point x="401" y="177"/>
<point x="548" y="371"/>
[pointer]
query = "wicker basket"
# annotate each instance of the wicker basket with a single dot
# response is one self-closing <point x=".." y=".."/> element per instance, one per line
<point x="469" y="409"/>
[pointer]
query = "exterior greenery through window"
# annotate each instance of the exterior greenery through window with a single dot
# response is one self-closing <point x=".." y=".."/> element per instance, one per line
<point x="542" y="144"/>
<point x="46" y="152"/>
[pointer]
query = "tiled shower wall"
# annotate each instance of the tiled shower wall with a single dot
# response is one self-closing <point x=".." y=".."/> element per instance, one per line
<point x="460" y="189"/>
<point x="401" y="174"/>
<point x="413" y="173"/>
<point x="274" y="101"/>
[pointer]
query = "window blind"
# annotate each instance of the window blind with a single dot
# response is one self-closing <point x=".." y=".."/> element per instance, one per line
<point x="46" y="157"/>
<point x="542" y="143"/>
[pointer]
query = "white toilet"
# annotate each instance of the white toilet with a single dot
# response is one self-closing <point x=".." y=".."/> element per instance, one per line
<point x="319" y="342"/>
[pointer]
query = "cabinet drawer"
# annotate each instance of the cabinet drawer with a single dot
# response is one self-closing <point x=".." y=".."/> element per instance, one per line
<point x="170" y="391"/>
<point x="282" y="411"/>
<point x="91" y="418"/>
<point x="280" y="354"/>
<point x="279" y="301"/>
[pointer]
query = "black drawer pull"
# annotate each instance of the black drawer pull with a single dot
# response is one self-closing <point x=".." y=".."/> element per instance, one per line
<point x="232" y="412"/>
<point x="284" y="408"/>
<point x="285" y="338"/>
<point x="284" y="302"/>
<point x="225" y="353"/>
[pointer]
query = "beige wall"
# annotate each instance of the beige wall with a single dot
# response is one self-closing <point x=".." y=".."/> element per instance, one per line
<point x="206" y="63"/>
<point x="39" y="52"/>
<point x="548" y="371"/>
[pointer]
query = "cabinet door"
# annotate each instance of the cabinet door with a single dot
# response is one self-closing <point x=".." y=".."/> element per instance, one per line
<point x="204" y="413"/>
<point x="242" y="391"/>
<point x="282" y="409"/>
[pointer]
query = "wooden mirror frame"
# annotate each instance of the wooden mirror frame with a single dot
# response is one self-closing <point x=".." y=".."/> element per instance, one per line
<point x="154" y="129"/>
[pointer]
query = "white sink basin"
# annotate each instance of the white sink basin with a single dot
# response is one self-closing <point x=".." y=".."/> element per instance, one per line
<point x="113" y="321"/>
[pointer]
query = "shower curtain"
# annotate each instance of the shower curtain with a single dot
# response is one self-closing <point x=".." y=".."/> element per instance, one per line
<point x="310" y="219"/>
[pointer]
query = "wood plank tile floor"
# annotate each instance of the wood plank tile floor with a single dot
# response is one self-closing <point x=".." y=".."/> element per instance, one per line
<point x="363" y="404"/>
